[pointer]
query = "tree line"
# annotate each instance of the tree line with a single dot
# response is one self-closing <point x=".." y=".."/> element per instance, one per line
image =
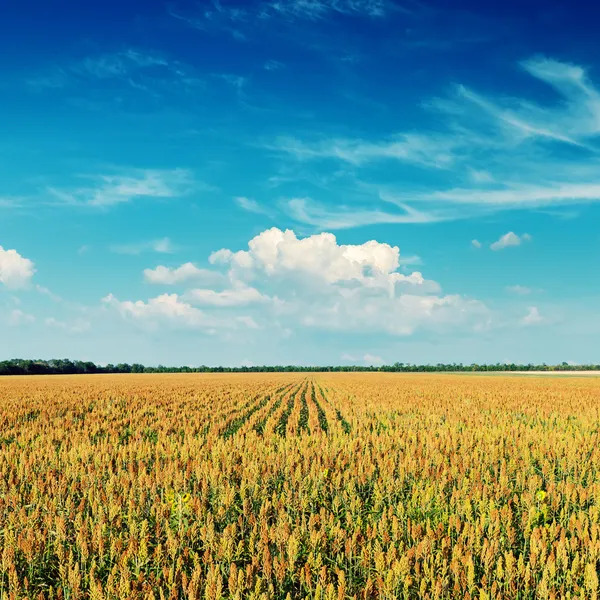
<point x="65" y="366"/>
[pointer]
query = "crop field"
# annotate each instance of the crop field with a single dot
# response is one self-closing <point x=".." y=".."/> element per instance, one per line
<point x="284" y="485"/>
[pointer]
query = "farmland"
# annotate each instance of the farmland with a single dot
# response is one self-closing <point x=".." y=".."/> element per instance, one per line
<point x="287" y="485"/>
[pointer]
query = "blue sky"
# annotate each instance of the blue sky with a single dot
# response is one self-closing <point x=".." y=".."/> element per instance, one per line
<point x="300" y="181"/>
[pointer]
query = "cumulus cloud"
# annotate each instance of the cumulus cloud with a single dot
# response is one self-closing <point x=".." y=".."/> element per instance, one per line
<point x="287" y="282"/>
<point x="185" y="273"/>
<point x="15" y="270"/>
<point x="277" y="252"/>
<point x="320" y="283"/>
<point x="476" y="243"/>
<point x="510" y="239"/>
<point x="166" y="306"/>
<point x="532" y="317"/>
<point x="172" y="310"/>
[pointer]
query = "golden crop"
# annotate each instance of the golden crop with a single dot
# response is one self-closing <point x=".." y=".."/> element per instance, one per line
<point x="326" y="486"/>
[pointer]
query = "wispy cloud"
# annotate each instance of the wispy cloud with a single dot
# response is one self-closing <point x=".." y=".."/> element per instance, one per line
<point x="304" y="210"/>
<point x="10" y="202"/>
<point x="78" y="325"/>
<point x="161" y="246"/>
<point x="519" y="290"/>
<point x="144" y="71"/>
<point x="273" y="65"/>
<point x="427" y="150"/>
<point x="235" y="20"/>
<point x="410" y="261"/>
<point x="237" y="82"/>
<point x="40" y="289"/>
<point x="368" y="359"/>
<point x="118" y="64"/>
<point x="110" y="190"/>
<point x="214" y="15"/>
<point x="319" y="9"/>
<point x="495" y="153"/>
<point x="17" y="317"/>
<point x="250" y="205"/>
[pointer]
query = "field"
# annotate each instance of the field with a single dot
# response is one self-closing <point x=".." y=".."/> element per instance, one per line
<point x="326" y="486"/>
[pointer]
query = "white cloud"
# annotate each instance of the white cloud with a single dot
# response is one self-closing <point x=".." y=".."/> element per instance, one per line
<point x="160" y="246"/>
<point x="119" y="64"/>
<point x="320" y="283"/>
<point x="532" y="317"/>
<point x="319" y="9"/>
<point x="306" y="211"/>
<point x="6" y="202"/>
<point x="172" y="310"/>
<point x="513" y="196"/>
<point x="165" y="306"/>
<point x="76" y="326"/>
<point x="110" y="190"/>
<point x="287" y="282"/>
<point x="249" y="322"/>
<point x="275" y="251"/>
<point x="139" y="72"/>
<point x="371" y="359"/>
<point x="249" y="205"/>
<point x="367" y="359"/>
<point x="520" y="290"/>
<point x="17" y="317"/>
<point x="15" y="270"/>
<point x="283" y="281"/>
<point x="49" y="293"/>
<point x="236" y="20"/>
<point x="239" y="295"/>
<point x="273" y="65"/>
<point x="476" y="243"/>
<point x="186" y="272"/>
<point x="579" y="115"/>
<point x="481" y="176"/>
<point x="495" y="154"/>
<point x="509" y="239"/>
<point x="426" y="150"/>
<point x="406" y="262"/>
